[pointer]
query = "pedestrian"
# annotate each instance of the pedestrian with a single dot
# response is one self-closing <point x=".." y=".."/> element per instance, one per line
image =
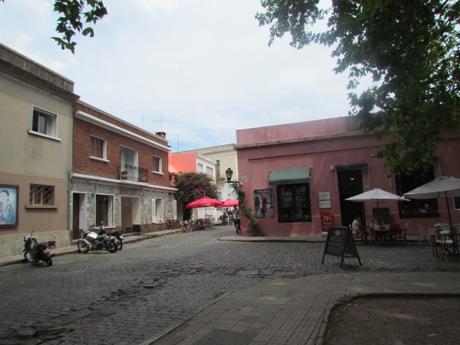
<point x="237" y="219"/>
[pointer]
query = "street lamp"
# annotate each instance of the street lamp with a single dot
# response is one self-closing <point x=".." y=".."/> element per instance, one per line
<point x="229" y="174"/>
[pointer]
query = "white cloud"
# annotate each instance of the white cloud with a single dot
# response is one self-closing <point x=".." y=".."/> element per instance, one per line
<point x="202" y="65"/>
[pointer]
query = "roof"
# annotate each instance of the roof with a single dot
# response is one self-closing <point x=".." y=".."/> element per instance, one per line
<point x="299" y="131"/>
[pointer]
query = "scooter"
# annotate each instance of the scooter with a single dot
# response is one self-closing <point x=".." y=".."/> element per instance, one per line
<point x="35" y="251"/>
<point x="96" y="239"/>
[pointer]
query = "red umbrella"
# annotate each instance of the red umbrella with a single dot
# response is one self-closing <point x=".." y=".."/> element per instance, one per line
<point x="204" y="202"/>
<point x="230" y="203"/>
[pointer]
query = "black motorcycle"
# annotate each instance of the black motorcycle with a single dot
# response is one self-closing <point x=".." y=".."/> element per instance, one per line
<point x="36" y="252"/>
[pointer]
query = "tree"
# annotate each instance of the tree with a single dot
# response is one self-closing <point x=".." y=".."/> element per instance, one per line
<point x="192" y="186"/>
<point x="75" y="17"/>
<point x="411" y="49"/>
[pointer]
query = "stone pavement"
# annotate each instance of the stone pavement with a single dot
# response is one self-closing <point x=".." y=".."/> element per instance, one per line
<point x="295" y="311"/>
<point x="153" y="286"/>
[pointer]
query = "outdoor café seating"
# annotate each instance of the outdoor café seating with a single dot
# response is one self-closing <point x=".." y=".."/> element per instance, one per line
<point x="399" y="234"/>
<point x="444" y="241"/>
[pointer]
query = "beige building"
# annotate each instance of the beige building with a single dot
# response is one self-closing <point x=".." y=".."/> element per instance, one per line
<point x="224" y="156"/>
<point x="36" y="117"/>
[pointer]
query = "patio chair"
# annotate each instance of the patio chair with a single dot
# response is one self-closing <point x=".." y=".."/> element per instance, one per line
<point x="443" y="243"/>
<point x="399" y="234"/>
<point x="359" y="235"/>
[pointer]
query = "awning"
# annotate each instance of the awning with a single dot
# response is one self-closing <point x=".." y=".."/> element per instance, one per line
<point x="289" y="176"/>
<point x="351" y="167"/>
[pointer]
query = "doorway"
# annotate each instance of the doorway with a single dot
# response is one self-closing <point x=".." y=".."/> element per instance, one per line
<point x="350" y="183"/>
<point x="78" y="214"/>
<point x="130" y="212"/>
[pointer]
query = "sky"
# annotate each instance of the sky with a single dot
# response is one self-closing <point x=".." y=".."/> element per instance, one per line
<point x="196" y="69"/>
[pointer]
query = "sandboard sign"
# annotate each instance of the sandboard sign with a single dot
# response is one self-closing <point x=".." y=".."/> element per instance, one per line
<point x="340" y="242"/>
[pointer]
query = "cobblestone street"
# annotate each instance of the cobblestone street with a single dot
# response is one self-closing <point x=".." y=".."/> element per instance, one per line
<point x="135" y="295"/>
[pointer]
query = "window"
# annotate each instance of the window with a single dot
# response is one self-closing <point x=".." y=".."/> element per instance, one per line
<point x="41" y="195"/>
<point x="457" y="202"/>
<point x="157" y="165"/>
<point x="209" y="171"/>
<point x="157" y="211"/>
<point x="44" y="122"/>
<point x="98" y="148"/>
<point x="104" y="209"/>
<point x="416" y="208"/>
<point x="200" y="167"/>
<point x="294" y="203"/>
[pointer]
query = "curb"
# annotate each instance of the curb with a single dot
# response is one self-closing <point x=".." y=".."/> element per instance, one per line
<point x="152" y="340"/>
<point x="270" y="239"/>
<point x="324" y="320"/>
<point x="71" y="250"/>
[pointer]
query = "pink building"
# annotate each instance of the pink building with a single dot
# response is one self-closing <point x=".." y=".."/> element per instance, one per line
<point x="297" y="176"/>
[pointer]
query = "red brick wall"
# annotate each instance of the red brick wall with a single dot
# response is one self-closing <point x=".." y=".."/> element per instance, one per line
<point x="85" y="165"/>
<point x="118" y="122"/>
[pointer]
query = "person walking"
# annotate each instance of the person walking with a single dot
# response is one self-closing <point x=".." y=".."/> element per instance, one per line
<point x="237" y="219"/>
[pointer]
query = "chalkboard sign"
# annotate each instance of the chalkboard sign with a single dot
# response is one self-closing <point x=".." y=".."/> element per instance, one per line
<point x="340" y="242"/>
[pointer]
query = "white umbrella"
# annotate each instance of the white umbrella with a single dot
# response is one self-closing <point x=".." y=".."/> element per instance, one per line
<point x="449" y="186"/>
<point x="376" y="194"/>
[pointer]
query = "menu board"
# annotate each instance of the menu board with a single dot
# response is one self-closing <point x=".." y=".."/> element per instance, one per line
<point x="340" y="242"/>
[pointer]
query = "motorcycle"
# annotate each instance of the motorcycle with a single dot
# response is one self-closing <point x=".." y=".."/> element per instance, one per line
<point x="35" y="251"/>
<point x="96" y="239"/>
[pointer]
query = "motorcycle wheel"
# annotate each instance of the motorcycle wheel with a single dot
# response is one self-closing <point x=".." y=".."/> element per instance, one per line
<point x="111" y="246"/>
<point x="48" y="261"/>
<point x="28" y="257"/>
<point x="83" y="246"/>
<point x="119" y="244"/>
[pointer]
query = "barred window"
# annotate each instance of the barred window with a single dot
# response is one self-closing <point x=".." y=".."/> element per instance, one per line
<point x="41" y="194"/>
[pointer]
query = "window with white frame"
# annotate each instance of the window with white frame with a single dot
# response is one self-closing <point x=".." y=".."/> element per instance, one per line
<point x="98" y="148"/>
<point x="200" y="167"/>
<point x="104" y="209"/>
<point x="209" y="171"/>
<point x="157" y="164"/>
<point x="44" y="122"/>
<point x="41" y="195"/>
<point x="157" y="211"/>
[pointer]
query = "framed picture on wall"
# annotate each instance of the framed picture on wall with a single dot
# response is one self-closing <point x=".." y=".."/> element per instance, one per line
<point x="263" y="202"/>
<point x="8" y="206"/>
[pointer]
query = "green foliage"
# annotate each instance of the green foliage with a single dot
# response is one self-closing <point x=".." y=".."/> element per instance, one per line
<point x="192" y="186"/>
<point x="254" y="227"/>
<point x="411" y="49"/>
<point x="74" y="17"/>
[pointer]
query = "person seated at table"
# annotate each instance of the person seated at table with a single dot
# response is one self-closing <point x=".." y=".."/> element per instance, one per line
<point x="375" y="224"/>
<point x="356" y="225"/>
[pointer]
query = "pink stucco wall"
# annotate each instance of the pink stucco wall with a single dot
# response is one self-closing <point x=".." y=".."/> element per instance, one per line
<point x="322" y="145"/>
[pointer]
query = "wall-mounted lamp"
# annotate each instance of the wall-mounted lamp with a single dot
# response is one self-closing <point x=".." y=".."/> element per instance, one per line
<point x="229" y="175"/>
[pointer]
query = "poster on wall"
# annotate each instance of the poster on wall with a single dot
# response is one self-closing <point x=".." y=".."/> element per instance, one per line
<point x="263" y="202"/>
<point x="327" y="220"/>
<point x="8" y="206"/>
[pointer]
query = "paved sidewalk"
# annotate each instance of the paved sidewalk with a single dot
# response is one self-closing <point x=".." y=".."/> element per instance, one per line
<point x="295" y="311"/>
<point x="10" y="260"/>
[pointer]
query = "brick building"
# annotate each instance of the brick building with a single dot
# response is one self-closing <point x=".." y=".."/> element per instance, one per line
<point x="120" y="173"/>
